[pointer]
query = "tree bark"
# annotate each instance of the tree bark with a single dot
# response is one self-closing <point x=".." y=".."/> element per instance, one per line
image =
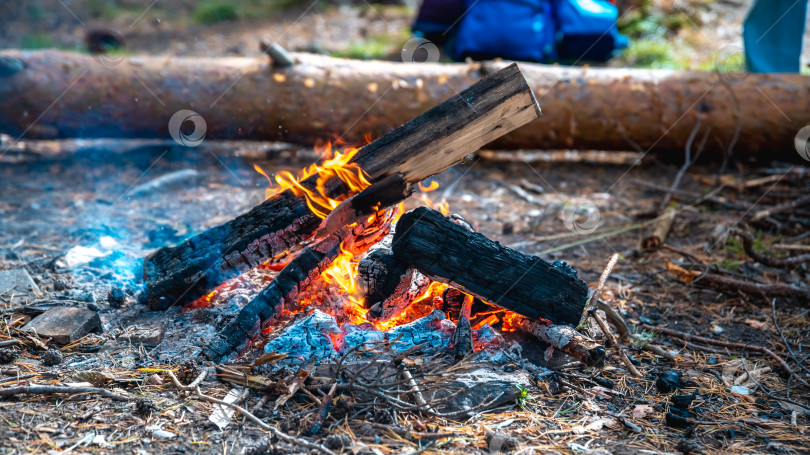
<point x="527" y="285"/>
<point x="422" y="147"/>
<point x="53" y="94"/>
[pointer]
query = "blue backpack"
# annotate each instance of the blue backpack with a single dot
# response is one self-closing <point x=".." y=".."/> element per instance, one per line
<point x="513" y="29"/>
<point x="538" y="30"/>
<point x="587" y="30"/>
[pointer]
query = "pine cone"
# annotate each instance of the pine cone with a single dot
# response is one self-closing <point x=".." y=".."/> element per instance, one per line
<point x="8" y="355"/>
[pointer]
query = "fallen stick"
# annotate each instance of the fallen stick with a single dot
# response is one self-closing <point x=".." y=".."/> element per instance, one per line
<point x="567" y="340"/>
<point x="447" y="252"/>
<point x="659" y="231"/>
<point x="726" y="344"/>
<point x="782" y="208"/>
<point x="748" y="245"/>
<point x="613" y="342"/>
<point x="52" y="389"/>
<point x="424" y="146"/>
<point x="733" y="285"/>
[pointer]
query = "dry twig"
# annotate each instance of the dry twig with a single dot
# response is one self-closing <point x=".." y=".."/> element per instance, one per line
<point x="51" y="389"/>
<point x="276" y="432"/>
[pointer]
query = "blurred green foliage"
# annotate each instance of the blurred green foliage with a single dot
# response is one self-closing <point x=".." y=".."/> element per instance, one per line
<point x="213" y="12"/>
<point x="375" y="46"/>
<point x="38" y="41"/>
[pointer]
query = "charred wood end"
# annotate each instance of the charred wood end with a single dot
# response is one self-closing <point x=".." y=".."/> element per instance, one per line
<point x="527" y="285"/>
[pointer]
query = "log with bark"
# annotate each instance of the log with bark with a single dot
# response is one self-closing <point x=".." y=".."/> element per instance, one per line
<point x="320" y="97"/>
<point x="423" y="147"/>
<point x="445" y="251"/>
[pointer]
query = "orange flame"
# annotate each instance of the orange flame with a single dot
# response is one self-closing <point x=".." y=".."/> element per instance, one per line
<point x="442" y="206"/>
<point x="342" y="272"/>
<point x="334" y="164"/>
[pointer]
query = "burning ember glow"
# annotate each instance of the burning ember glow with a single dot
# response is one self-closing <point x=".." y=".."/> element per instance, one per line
<point x="337" y="295"/>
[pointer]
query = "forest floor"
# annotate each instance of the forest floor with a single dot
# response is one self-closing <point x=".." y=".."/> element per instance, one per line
<point x="79" y="196"/>
<point x="56" y="202"/>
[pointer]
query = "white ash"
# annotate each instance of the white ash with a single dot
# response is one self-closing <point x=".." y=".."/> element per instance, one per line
<point x="306" y="338"/>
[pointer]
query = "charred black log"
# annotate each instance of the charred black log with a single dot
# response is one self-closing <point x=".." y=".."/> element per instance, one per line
<point x="279" y="296"/>
<point x="188" y="271"/>
<point x="425" y="146"/>
<point x="527" y="285"/>
<point x="379" y="273"/>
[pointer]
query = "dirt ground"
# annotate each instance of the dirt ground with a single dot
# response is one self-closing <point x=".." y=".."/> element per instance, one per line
<point x="732" y="396"/>
<point x="56" y="202"/>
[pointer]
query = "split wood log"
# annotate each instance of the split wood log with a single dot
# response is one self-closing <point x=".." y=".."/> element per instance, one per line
<point x="566" y="339"/>
<point x="318" y="97"/>
<point x="423" y="147"/>
<point x="527" y="285"/>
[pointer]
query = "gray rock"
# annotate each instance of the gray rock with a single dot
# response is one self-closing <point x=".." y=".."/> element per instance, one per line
<point x="64" y="325"/>
<point x="18" y="281"/>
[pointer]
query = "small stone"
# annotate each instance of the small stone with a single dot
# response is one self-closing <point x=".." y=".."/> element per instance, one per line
<point x="52" y="358"/>
<point x="154" y="380"/>
<point x="501" y="442"/>
<point x="669" y="381"/>
<point x="163" y="434"/>
<point x="64" y="325"/>
<point x="740" y="390"/>
<point x="337" y="441"/>
<point x="689" y="446"/>
<point x="8" y="355"/>
<point x="60" y="284"/>
<point x="17" y="281"/>
<point x="149" y="329"/>
<point x="116" y="297"/>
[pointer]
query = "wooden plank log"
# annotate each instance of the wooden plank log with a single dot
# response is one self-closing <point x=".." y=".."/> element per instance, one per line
<point x="318" y="97"/>
<point x="527" y="285"/>
<point x="420" y="148"/>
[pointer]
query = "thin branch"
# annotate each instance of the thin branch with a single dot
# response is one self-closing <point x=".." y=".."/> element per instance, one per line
<point x="276" y="432"/>
<point x="51" y="389"/>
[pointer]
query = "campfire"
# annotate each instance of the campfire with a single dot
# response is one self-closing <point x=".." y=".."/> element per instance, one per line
<point x="348" y="270"/>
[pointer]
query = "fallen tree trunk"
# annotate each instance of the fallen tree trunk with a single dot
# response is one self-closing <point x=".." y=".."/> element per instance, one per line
<point x="321" y="97"/>
<point x="423" y="147"/>
<point x="444" y="251"/>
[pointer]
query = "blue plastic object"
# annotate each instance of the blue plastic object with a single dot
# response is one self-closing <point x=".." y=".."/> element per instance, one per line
<point x="587" y="29"/>
<point x="772" y="34"/>
<point x="510" y="29"/>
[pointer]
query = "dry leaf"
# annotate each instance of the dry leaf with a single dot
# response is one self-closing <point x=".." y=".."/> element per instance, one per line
<point x="97" y="378"/>
<point x="640" y="411"/>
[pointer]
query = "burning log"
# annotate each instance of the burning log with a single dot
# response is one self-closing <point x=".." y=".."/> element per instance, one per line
<point x="527" y="285"/>
<point x="280" y="295"/>
<point x="423" y="147"/>
<point x="319" y="96"/>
